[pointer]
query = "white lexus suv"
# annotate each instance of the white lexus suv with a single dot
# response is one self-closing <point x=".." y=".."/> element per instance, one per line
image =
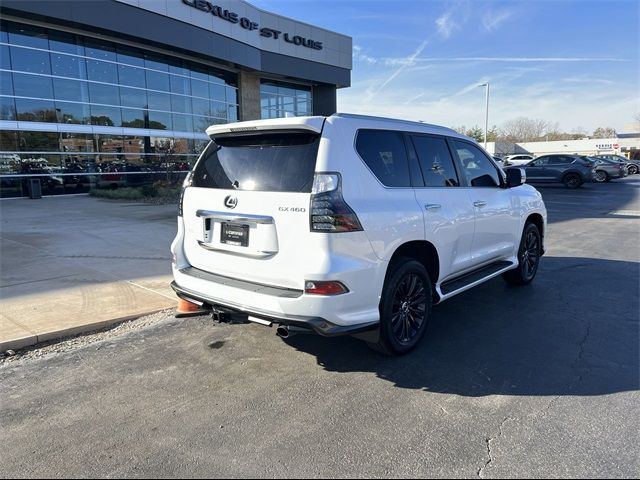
<point x="349" y="225"/>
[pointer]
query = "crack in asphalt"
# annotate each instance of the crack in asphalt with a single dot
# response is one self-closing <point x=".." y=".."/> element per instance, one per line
<point x="488" y="441"/>
<point x="579" y="361"/>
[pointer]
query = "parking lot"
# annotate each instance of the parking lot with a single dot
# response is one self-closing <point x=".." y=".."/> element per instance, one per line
<point x="540" y="381"/>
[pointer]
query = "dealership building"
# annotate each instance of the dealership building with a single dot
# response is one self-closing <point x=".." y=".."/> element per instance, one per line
<point x="117" y="88"/>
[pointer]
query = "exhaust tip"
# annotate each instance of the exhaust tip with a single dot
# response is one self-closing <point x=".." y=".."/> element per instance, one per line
<point x="282" y="331"/>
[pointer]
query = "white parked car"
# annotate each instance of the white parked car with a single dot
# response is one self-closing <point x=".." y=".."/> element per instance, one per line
<point x="519" y="159"/>
<point x="349" y="225"/>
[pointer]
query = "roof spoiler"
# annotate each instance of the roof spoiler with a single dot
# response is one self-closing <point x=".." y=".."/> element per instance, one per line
<point x="313" y="124"/>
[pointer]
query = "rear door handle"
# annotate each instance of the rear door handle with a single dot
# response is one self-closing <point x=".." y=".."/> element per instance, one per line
<point x="480" y="204"/>
<point x="432" y="207"/>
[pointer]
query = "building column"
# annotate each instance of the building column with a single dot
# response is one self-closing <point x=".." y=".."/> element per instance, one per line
<point x="324" y="100"/>
<point x="249" y="96"/>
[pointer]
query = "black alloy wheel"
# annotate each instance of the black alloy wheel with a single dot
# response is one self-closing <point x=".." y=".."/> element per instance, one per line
<point x="405" y="307"/>
<point x="409" y="306"/>
<point x="529" y="255"/>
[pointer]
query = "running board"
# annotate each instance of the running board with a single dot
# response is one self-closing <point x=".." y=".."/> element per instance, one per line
<point x="476" y="276"/>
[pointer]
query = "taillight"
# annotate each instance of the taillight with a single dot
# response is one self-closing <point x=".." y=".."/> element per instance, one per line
<point x="329" y="212"/>
<point x="186" y="183"/>
<point x="324" y="288"/>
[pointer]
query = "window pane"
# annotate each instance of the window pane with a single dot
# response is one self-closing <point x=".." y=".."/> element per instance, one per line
<point x="159" y="101"/>
<point x="132" y="97"/>
<point x="38" y="142"/>
<point x="200" y="107"/>
<point x="100" y="50"/>
<point x="34" y="61"/>
<point x="72" y="112"/>
<point x="27" y="35"/>
<point x="131" y="76"/>
<point x="157" y="62"/>
<point x="73" y="90"/>
<point x="106" y="116"/>
<point x="5" y="57"/>
<point x="6" y="83"/>
<point x="385" y="154"/>
<point x="180" y="104"/>
<point x="217" y="92"/>
<point x="65" y="42"/>
<point x="7" y="108"/>
<point x="200" y="124"/>
<point x="157" y="81"/>
<point x="182" y="123"/>
<point x="160" y="120"/>
<point x="107" y="94"/>
<point x="436" y="162"/>
<point x="130" y="56"/>
<point x="133" y="118"/>
<point x="476" y="167"/>
<point x="232" y="113"/>
<point x="35" y="110"/>
<point x="199" y="89"/>
<point x="219" y="110"/>
<point x="232" y="95"/>
<point x="68" y="66"/>
<point x="180" y="85"/>
<point x="102" y="71"/>
<point x="32" y="85"/>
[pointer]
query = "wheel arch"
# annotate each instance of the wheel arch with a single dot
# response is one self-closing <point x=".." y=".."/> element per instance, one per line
<point x="538" y="221"/>
<point x="424" y="252"/>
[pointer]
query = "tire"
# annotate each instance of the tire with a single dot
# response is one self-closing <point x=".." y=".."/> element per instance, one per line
<point x="601" y="176"/>
<point x="572" y="180"/>
<point x="633" y="169"/>
<point x="528" y="257"/>
<point x="403" y="321"/>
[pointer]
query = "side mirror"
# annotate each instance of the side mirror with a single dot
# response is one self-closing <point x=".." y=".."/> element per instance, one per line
<point x="516" y="177"/>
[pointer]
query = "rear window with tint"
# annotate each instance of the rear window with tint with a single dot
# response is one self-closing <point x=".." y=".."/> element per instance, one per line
<point x="273" y="162"/>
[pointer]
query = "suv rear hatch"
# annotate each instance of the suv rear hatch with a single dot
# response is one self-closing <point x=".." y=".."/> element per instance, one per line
<point x="246" y="203"/>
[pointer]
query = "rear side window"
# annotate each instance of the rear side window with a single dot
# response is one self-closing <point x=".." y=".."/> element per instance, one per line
<point x="385" y="154"/>
<point x="272" y="162"/>
<point x="435" y="161"/>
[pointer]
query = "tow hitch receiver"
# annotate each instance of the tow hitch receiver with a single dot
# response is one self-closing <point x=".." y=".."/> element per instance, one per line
<point x="224" y="315"/>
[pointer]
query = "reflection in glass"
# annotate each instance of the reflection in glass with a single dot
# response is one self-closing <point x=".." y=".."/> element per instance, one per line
<point x="34" y="61"/>
<point x="105" y="116"/>
<point x="74" y="113"/>
<point x="35" y="110"/>
<point x="68" y="66"/>
<point x="102" y="71"/>
<point x="32" y="85"/>
<point x="107" y="94"/>
<point x="73" y="90"/>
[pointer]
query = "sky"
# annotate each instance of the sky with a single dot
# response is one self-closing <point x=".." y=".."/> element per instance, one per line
<point x="574" y="62"/>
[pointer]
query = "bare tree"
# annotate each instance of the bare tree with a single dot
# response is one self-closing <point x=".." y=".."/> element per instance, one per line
<point x="523" y="129"/>
<point x="604" y="132"/>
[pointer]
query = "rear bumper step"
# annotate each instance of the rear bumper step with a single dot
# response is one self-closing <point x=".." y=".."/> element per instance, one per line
<point x="316" y="324"/>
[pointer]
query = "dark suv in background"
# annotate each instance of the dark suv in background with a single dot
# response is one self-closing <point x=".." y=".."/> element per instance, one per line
<point x="571" y="170"/>
<point x="632" y="166"/>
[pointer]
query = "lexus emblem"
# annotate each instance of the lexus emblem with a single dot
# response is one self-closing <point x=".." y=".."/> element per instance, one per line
<point x="230" y="201"/>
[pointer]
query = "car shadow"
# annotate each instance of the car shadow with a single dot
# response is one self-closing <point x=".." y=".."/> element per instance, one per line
<point x="574" y="331"/>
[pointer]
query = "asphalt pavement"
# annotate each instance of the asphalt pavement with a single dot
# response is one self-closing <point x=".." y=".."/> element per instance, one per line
<point x="537" y="381"/>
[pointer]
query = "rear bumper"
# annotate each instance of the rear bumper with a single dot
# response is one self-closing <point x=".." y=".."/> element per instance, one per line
<point x="318" y="325"/>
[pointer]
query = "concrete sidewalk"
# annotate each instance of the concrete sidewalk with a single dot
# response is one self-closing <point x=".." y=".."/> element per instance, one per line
<point x="74" y="264"/>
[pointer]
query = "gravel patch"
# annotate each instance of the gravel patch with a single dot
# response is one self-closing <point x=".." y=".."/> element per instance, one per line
<point x="83" y="339"/>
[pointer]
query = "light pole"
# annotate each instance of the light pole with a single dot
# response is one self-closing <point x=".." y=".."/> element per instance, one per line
<point x="486" y="115"/>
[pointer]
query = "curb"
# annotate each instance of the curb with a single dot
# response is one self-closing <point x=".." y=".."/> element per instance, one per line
<point x="32" y="340"/>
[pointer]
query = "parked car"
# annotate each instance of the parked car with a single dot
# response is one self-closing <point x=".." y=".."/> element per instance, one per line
<point x="349" y="224"/>
<point x="632" y="166"/>
<point x="571" y="170"/>
<point x="606" y="170"/>
<point x="519" y="159"/>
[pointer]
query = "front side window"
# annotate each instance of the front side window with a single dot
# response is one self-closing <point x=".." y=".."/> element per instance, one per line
<point x="436" y="162"/>
<point x="476" y="167"/>
<point x="539" y="162"/>
<point x="385" y="154"/>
